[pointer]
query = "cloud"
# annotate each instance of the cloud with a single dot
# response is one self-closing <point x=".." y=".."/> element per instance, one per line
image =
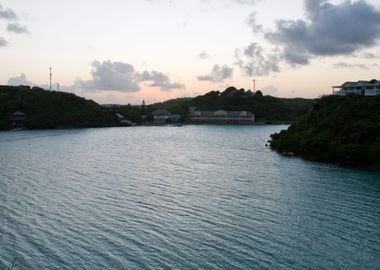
<point x="369" y="55"/>
<point x="329" y="30"/>
<point x="349" y="65"/>
<point x="218" y="74"/>
<point x="160" y="80"/>
<point x="256" y="61"/>
<point x="313" y="7"/>
<point x="3" y="42"/>
<point x="204" y="55"/>
<point x="122" y="77"/>
<point x="17" y="28"/>
<point x="252" y="22"/>
<point x="19" y="80"/>
<point x="111" y="76"/>
<point x="7" y="14"/>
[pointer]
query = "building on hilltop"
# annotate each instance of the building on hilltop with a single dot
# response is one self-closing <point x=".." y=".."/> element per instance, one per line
<point x="365" y="88"/>
<point x="221" y="117"/>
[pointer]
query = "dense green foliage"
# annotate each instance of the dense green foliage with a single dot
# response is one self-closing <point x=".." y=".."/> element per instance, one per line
<point x="266" y="108"/>
<point x="46" y="109"/>
<point x="343" y="130"/>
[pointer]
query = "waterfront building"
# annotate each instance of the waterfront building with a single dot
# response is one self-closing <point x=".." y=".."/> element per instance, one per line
<point x="222" y="117"/>
<point x="162" y="116"/>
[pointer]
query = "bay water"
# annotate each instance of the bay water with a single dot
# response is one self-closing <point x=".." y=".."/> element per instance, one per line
<point x="191" y="197"/>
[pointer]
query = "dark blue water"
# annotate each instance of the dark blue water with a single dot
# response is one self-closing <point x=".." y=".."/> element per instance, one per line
<point x="192" y="197"/>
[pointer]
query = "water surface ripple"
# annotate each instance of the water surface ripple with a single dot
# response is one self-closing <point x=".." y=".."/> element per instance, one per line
<point x="192" y="197"/>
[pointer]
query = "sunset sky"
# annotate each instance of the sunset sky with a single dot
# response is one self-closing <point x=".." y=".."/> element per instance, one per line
<point x="124" y="51"/>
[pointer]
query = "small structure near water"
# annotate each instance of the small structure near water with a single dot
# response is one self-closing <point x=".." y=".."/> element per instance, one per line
<point x="18" y="119"/>
<point x="162" y="116"/>
<point x="123" y="120"/>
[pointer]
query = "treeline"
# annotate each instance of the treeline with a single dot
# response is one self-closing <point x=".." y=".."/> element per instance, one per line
<point x="343" y="130"/>
<point x="51" y="109"/>
<point x="267" y="109"/>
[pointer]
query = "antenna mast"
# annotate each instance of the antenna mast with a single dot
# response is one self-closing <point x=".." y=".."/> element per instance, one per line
<point x="50" y="79"/>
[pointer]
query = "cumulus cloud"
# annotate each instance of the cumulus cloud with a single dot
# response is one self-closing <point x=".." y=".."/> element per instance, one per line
<point x="254" y="60"/>
<point x="122" y="77"/>
<point x="19" y="80"/>
<point x="17" y="28"/>
<point x="7" y="14"/>
<point x="204" y="55"/>
<point x="328" y="31"/>
<point x="111" y="76"/>
<point x="161" y="80"/>
<point x="313" y="7"/>
<point x="218" y="74"/>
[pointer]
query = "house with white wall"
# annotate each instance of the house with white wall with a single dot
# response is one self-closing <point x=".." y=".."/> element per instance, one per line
<point x="365" y="88"/>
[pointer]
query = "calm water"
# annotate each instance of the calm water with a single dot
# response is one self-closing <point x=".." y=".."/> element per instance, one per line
<point x="192" y="197"/>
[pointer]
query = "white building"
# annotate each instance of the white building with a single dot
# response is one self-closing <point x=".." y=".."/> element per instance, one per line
<point x="365" y="88"/>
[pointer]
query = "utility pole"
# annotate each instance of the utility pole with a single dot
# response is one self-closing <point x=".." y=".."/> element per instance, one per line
<point x="50" y="79"/>
<point x="57" y="87"/>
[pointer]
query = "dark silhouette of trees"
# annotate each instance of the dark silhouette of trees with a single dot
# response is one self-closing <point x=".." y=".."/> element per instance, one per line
<point x="46" y="109"/>
<point x="338" y="129"/>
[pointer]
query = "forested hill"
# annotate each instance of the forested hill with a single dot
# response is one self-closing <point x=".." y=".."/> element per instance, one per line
<point x="342" y="130"/>
<point x="52" y="109"/>
<point x="47" y="109"/>
<point x="266" y="108"/>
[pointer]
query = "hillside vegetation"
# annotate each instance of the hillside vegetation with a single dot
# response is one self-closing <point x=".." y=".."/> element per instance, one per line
<point x="52" y="109"/>
<point x="342" y="130"/>
<point x="46" y="109"/>
<point x="266" y="108"/>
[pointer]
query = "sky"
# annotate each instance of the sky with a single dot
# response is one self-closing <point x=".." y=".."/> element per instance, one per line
<point x="124" y="51"/>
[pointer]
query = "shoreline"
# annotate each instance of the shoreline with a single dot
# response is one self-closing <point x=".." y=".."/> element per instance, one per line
<point x="152" y="125"/>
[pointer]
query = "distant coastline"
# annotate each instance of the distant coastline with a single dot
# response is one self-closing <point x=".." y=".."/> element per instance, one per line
<point x="23" y="107"/>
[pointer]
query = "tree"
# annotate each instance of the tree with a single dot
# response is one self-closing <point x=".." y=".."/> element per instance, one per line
<point x="373" y="81"/>
<point x="258" y="93"/>
<point x="143" y="107"/>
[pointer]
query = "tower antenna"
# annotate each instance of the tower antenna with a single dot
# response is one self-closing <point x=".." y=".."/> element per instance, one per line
<point x="50" y="79"/>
